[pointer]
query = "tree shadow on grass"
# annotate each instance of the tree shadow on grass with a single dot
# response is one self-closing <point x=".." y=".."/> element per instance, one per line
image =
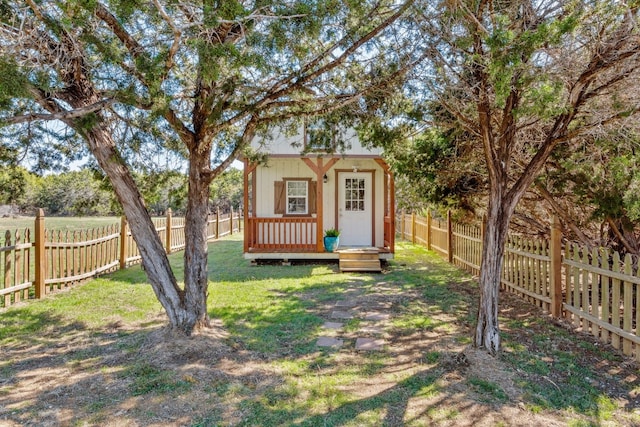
<point x="267" y="370"/>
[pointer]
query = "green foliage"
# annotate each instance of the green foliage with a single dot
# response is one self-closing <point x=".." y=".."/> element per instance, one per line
<point x="332" y="232"/>
<point x="226" y="190"/>
<point x="13" y="84"/>
<point x="13" y="182"/>
<point x="162" y="190"/>
<point x="74" y="193"/>
<point x="603" y="173"/>
<point x="435" y="167"/>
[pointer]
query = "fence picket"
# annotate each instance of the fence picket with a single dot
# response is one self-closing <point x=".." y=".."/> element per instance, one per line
<point x="615" y="304"/>
<point x="596" y="279"/>
<point x="605" y="295"/>
<point x="628" y="303"/>
<point x="8" y="282"/>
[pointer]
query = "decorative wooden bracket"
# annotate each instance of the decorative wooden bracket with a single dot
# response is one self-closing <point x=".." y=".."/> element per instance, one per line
<point x="383" y="165"/>
<point x="318" y="168"/>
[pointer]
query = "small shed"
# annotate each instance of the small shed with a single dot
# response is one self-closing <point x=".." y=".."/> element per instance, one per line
<point x="307" y="186"/>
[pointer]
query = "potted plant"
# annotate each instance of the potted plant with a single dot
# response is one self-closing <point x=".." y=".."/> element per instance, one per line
<point x="331" y="239"/>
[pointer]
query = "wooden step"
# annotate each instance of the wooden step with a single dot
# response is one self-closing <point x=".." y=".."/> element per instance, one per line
<point x="359" y="255"/>
<point x="364" y="259"/>
<point x="360" y="265"/>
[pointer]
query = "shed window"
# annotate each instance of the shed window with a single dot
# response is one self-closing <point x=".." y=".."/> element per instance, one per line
<point x="320" y="136"/>
<point x="297" y="197"/>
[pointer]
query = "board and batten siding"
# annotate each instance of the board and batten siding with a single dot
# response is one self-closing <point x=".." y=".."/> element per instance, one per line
<point x="279" y="168"/>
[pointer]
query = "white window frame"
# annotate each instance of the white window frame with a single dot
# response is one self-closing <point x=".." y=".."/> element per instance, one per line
<point x="287" y="196"/>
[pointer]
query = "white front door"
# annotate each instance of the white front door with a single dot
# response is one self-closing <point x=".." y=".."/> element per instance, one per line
<point x="355" y="209"/>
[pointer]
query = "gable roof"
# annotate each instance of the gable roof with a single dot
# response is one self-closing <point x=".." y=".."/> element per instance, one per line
<point x="280" y="142"/>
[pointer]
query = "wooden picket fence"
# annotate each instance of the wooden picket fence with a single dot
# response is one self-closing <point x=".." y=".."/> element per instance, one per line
<point x="595" y="289"/>
<point x="34" y="264"/>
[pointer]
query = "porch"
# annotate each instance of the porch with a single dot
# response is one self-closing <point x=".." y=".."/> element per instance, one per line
<point x="295" y="238"/>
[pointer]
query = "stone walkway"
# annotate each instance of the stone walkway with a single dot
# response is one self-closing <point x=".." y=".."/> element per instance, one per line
<point x="371" y="324"/>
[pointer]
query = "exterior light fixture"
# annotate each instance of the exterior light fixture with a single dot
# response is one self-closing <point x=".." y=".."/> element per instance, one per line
<point x="325" y="178"/>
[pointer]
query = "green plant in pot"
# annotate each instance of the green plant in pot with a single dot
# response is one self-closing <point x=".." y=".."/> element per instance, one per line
<point x="331" y="239"/>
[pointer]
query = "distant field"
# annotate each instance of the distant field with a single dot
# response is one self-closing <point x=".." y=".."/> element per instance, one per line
<point x="58" y="223"/>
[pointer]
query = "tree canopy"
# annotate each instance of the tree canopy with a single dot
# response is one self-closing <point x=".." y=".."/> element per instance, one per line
<point x="128" y="79"/>
<point x="523" y="79"/>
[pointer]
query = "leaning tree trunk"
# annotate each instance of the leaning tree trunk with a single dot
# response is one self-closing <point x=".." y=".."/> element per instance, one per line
<point x="487" y="331"/>
<point x="182" y="314"/>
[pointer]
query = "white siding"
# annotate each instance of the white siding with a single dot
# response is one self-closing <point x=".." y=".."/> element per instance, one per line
<point x="281" y="144"/>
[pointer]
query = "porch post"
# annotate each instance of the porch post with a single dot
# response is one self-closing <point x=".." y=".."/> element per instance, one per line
<point x="246" y="205"/>
<point x="320" y="169"/>
<point x="392" y="212"/>
<point x="319" y="207"/>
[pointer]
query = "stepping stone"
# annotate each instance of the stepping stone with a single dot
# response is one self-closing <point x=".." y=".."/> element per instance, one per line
<point x="371" y="329"/>
<point x="345" y="303"/>
<point x="341" y="315"/>
<point x="332" y="325"/>
<point x="377" y="316"/>
<point x="329" y="342"/>
<point x="381" y="305"/>
<point x="369" y="344"/>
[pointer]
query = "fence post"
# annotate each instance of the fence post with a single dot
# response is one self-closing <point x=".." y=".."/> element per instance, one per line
<point x="449" y="238"/>
<point x="413" y="227"/>
<point x="168" y="231"/>
<point x="40" y="255"/>
<point x="556" y="268"/>
<point x="123" y="242"/>
<point x="428" y="229"/>
<point x="217" y="223"/>
<point x="231" y="220"/>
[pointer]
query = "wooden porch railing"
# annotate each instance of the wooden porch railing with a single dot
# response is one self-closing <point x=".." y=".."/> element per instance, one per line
<point x="282" y="234"/>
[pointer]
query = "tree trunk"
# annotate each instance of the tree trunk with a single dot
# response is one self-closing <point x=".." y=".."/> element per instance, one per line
<point x="196" y="249"/>
<point x="183" y="315"/>
<point x="487" y="331"/>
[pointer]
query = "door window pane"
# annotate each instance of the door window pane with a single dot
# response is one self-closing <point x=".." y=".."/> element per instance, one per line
<point x="354" y="194"/>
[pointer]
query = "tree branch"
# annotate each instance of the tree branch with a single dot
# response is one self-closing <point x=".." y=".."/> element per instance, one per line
<point x="620" y="236"/>
<point x="177" y="34"/>
<point x="307" y="73"/>
<point x="60" y="115"/>
<point x="548" y="197"/>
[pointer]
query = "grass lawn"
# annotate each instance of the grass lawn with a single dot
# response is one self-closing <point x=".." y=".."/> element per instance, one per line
<point x="99" y="355"/>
